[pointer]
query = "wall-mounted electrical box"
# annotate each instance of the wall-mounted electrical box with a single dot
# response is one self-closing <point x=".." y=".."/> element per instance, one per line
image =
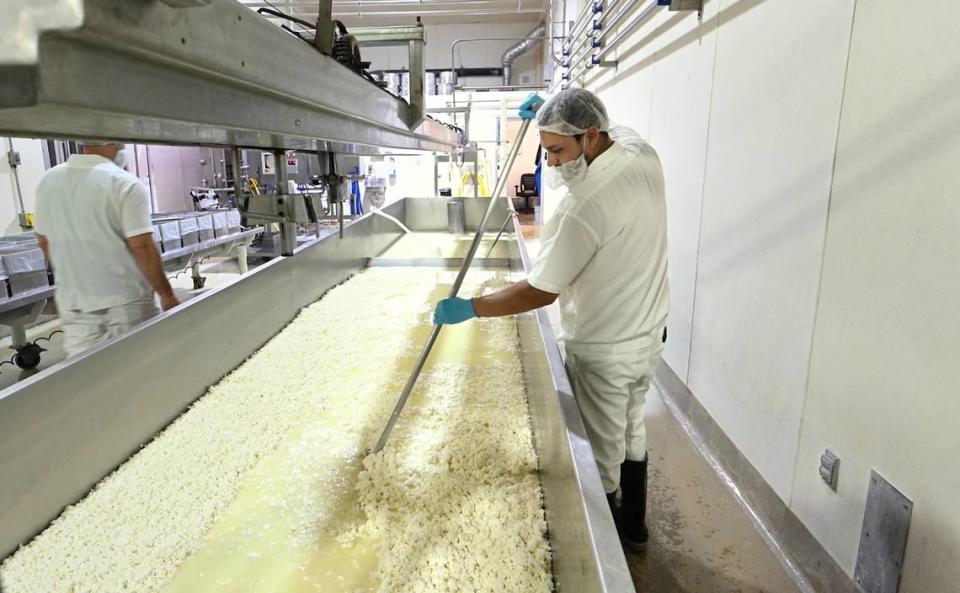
<point x="830" y="469"/>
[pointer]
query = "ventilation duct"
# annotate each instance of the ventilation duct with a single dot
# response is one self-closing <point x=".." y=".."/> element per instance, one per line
<point x="533" y="38"/>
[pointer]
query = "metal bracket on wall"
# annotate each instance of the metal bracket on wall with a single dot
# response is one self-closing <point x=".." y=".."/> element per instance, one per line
<point x="676" y="5"/>
<point x="883" y="539"/>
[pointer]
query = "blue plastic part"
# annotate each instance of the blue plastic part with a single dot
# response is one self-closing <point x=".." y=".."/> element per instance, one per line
<point x="597" y="7"/>
<point x="453" y="310"/>
<point x="597" y="25"/>
<point x="528" y="109"/>
<point x="663" y="2"/>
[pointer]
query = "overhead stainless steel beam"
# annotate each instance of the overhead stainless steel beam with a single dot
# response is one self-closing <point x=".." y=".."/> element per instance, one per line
<point x="384" y="36"/>
<point x="146" y="72"/>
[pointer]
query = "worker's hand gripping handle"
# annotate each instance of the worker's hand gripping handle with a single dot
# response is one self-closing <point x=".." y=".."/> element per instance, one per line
<point x="530" y="105"/>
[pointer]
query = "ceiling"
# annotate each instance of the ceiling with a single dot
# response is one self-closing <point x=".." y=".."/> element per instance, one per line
<point x="359" y="13"/>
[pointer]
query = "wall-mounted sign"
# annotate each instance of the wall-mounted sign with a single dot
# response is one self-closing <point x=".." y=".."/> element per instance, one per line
<point x="268" y="163"/>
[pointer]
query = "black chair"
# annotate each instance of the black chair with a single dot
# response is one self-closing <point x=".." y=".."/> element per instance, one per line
<point x="526" y="190"/>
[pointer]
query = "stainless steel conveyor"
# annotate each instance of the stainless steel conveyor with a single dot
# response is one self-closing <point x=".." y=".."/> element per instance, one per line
<point x="66" y="428"/>
<point x="199" y="73"/>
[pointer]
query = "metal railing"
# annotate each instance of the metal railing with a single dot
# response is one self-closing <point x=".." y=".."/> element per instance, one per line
<point x="587" y="45"/>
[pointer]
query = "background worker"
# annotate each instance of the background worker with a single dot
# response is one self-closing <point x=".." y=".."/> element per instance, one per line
<point x="93" y="224"/>
<point x="604" y="254"/>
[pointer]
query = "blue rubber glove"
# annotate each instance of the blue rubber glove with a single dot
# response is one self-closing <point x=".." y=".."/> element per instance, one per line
<point x="528" y="109"/>
<point x="453" y="311"/>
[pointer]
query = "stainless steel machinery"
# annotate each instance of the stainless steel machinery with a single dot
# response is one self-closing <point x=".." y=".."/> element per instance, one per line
<point x="213" y="73"/>
<point x="207" y="73"/>
<point x="64" y="429"/>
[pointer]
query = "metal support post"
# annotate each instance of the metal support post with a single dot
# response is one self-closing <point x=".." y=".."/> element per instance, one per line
<point x="417" y="73"/>
<point x="339" y="209"/>
<point x="238" y="181"/>
<point x="325" y="28"/>
<point x="242" y="258"/>
<point x="288" y="230"/>
<point x="421" y="361"/>
<point x="198" y="280"/>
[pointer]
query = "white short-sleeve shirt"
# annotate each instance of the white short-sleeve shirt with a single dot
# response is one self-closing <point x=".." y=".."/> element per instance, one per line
<point x="87" y="208"/>
<point x="604" y="251"/>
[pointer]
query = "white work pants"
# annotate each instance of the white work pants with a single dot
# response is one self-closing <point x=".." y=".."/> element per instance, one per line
<point x="610" y="385"/>
<point x="84" y="329"/>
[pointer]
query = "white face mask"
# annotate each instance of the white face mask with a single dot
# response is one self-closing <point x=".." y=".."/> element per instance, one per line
<point x="569" y="173"/>
<point x="121" y="159"/>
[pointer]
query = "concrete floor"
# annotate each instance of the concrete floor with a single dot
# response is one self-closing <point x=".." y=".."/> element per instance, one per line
<point x="701" y="541"/>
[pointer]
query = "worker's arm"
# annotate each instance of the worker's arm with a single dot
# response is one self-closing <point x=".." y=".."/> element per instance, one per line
<point x="144" y="251"/>
<point x="517" y="298"/>
<point x="44" y="246"/>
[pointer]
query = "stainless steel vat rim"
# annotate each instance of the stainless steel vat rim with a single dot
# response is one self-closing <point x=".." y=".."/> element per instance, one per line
<point x="600" y="542"/>
<point x="607" y="548"/>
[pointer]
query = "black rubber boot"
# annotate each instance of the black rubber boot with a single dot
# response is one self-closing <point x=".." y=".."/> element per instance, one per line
<point x="614" y="507"/>
<point x="633" y="505"/>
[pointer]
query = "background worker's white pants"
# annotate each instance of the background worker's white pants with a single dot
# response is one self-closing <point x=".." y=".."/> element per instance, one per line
<point x="83" y="330"/>
<point x="610" y="384"/>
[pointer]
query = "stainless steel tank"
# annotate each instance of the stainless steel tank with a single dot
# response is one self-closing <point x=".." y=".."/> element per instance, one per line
<point x="430" y="84"/>
<point x="447" y="81"/>
<point x="456" y="218"/>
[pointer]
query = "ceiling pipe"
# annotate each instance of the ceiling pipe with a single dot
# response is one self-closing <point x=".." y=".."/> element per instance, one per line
<point x="515" y="51"/>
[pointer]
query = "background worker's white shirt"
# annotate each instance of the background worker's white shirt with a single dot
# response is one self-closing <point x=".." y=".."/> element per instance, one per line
<point x="87" y="208"/>
<point x="604" y="251"/>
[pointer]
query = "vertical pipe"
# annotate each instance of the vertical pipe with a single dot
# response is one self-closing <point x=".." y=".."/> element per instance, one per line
<point x="16" y="179"/>
<point x="153" y="198"/>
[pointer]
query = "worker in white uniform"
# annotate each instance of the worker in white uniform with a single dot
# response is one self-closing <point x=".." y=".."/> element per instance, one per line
<point x="93" y="223"/>
<point x="604" y="254"/>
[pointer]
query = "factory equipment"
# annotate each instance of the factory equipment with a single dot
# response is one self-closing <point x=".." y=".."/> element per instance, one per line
<point x="213" y="73"/>
<point x="99" y="421"/>
<point x="448" y="80"/>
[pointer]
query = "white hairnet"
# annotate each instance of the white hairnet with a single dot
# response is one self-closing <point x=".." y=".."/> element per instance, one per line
<point x="571" y="112"/>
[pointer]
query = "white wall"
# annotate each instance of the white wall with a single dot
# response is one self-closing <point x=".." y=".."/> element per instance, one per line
<point x="886" y="351"/>
<point x="30" y="170"/>
<point x="815" y="252"/>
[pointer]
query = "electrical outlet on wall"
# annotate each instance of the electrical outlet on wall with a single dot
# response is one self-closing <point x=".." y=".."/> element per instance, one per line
<point x="830" y="469"/>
